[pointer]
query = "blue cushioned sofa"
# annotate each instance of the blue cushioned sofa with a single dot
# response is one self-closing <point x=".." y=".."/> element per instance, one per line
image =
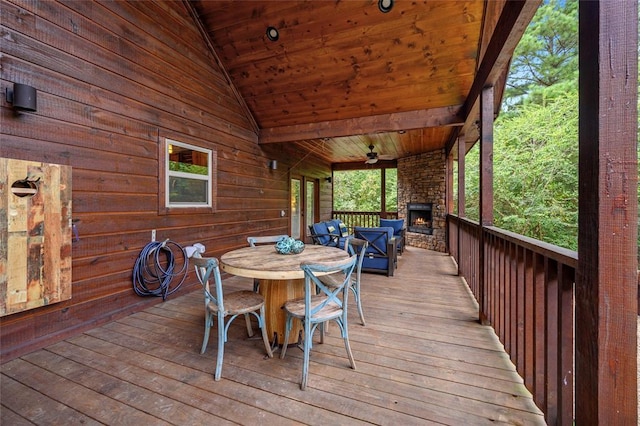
<point x="381" y="255"/>
<point x="332" y="233"/>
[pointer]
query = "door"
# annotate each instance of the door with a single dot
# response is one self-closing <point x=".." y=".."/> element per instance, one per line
<point x="304" y="206"/>
<point x="296" y="208"/>
<point x="311" y="211"/>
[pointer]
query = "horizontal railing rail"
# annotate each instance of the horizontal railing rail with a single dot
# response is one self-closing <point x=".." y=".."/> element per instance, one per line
<point x="367" y="219"/>
<point x="528" y="297"/>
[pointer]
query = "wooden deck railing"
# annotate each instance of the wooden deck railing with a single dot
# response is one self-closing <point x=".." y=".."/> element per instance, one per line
<point x="368" y="219"/>
<point x="528" y="296"/>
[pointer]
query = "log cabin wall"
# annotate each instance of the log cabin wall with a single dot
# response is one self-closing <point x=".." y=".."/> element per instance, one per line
<point x="115" y="79"/>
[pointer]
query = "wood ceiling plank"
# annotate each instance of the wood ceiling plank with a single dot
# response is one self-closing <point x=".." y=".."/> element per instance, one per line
<point x="292" y="111"/>
<point x="342" y="68"/>
<point x="346" y="25"/>
<point x="357" y="43"/>
<point x="396" y="71"/>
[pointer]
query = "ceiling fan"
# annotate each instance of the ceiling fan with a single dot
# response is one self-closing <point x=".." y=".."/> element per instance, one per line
<point x="372" y="157"/>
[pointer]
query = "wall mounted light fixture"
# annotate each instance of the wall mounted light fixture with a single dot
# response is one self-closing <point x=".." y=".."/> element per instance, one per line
<point x="273" y="34"/>
<point x="273" y="164"/>
<point x="22" y="97"/>
<point x="328" y="179"/>
<point x="385" y="5"/>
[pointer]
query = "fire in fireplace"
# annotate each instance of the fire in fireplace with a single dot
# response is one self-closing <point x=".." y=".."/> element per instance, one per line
<point x="420" y="218"/>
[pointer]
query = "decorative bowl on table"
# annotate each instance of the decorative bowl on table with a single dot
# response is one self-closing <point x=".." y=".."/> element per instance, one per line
<point x="289" y="246"/>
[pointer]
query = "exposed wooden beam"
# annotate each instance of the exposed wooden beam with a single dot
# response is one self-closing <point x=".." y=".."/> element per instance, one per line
<point x="382" y="164"/>
<point x="513" y="22"/>
<point x="436" y="117"/>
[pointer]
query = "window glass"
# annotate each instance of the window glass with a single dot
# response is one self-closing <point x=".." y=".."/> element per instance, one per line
<point x="310" y="198"/>
<point x="295" y="208"/>
<point x="188" y="182"/>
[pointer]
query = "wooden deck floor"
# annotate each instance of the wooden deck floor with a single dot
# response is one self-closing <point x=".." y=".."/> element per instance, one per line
<point x="421" y="359"/>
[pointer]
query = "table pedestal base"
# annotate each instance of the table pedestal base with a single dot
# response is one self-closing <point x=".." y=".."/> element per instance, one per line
<point x="276" y="293"/>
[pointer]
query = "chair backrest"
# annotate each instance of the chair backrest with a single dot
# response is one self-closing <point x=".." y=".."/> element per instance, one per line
<point x="314" y="286"/>
<point x="320" y="233"/>
<point x="358" y="247"/>
<point x="377" y="238"/>
<point x="205" y="268"/>
<point x="265" y="239"/>
<point x="396" y="224"/>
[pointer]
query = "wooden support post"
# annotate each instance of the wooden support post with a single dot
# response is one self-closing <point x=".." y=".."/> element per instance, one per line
<point x="462" y="142"/>
<point x="606" y="282"/>
<point x="486" y="190"/>
<point x="383" y="193"/>
<point x="448" y="202"/>
<point x="448" y="197"/>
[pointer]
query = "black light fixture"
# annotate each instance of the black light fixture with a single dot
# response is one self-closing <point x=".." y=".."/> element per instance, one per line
<point x="273" y="164"/>
<point x="385" y="5"/>
<point x="22" y="97"/>
<point x="273" y="34"/>
<point x="328" y="179"/>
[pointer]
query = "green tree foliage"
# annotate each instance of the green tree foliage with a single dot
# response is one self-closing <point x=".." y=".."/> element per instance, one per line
<point x="391" y="186"/>
<point x="536" y="140"/>
<point x="535" y="172"/>
<point x="359" y="190"/>
<point x="356" y="190"/>
<point x="545" y="62"/>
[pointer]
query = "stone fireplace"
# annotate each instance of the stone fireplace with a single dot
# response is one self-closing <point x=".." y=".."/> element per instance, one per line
<point x="421" y="182"/>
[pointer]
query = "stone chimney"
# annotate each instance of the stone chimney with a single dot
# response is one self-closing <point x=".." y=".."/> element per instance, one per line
<point x="421" y="179"/>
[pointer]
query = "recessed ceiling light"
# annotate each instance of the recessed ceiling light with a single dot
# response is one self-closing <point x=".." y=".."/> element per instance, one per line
<point x="273" y="34"/>
<point x="385" y="5"/>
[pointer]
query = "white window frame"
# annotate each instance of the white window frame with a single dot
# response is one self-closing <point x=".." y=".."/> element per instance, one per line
<point x="170" y="173"/>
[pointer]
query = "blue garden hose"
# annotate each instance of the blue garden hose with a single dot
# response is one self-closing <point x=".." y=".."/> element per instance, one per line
<point x="150" y="277"/>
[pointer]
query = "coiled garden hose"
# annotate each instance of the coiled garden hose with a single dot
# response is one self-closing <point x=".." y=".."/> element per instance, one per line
<point x="153" y="274"/>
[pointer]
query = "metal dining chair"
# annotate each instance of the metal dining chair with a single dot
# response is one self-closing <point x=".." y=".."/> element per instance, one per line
<point x="321" y="303"/>
<point x="358" y="247"/>
<point x="218" y="306"/>
<point x="263" y="239"/>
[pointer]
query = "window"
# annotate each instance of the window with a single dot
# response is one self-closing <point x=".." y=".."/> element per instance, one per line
<point x="188" y="174"/>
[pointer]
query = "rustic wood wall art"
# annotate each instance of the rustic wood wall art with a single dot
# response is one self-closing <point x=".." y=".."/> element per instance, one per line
<point x="35" y="234"/>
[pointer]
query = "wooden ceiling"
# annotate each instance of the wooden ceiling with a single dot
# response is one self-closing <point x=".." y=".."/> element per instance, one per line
<point x="343" y="75"/>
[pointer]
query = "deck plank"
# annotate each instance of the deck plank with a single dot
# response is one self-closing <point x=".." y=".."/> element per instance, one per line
<point x="79" y="399"/>
<point x="423" y="358"/>
<point x="34" y="407"/>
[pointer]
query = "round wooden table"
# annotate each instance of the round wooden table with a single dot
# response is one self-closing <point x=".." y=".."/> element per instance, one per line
<point x="281" y="278"/>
